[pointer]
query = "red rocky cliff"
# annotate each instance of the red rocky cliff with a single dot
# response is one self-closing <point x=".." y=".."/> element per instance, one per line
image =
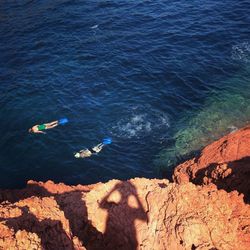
<point x="139" y="213"/>
<point x="226" y="163"/>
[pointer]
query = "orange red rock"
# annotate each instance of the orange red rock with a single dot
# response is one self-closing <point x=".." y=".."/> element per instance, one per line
<point x="134" y="214"/>
<point x="226" y="163"/>
<point x="139" y="213"/>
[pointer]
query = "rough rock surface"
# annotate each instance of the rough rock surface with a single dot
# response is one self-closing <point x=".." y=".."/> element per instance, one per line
<point x="139" y="213"/>
<point x="134" y="214"/>
<point x="226" y="163"/>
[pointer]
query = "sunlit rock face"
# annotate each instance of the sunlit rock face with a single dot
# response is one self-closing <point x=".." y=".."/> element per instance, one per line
<point x="213" y="212"/>
<point x="136" y="214"/>
<point x="226" y="163"/>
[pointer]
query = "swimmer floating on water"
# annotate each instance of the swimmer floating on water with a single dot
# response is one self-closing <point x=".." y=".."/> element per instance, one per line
<point x="39" y="128"/>
<point x="93" y="151"/>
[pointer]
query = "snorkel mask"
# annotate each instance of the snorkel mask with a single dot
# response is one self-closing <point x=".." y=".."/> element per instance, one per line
<point x="77" y="155"/>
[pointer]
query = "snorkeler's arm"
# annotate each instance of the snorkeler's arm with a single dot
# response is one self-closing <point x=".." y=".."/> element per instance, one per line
<point x="41" y="132"/>
<point x="104" y="202"/>
<point x="142" y="215"/>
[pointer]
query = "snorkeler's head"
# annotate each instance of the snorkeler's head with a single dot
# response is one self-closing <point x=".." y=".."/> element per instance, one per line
<point x="77" y="155"/>
<point x="30" y="130"/>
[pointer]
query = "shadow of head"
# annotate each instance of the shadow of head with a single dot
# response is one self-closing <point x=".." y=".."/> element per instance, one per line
<point x="124" y="208"/>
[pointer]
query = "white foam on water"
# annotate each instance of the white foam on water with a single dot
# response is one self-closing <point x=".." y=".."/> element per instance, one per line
<point x="141" y="122"/>
<point x="148" y="127"/>
<point x="94" y="26"/>
<point x="241" y="52"/>
<point x="232" y="128"/>
<point x="137" y="118"/>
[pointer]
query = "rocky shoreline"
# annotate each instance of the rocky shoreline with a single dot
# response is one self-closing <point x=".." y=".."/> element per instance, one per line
<point x="205" y="207"/>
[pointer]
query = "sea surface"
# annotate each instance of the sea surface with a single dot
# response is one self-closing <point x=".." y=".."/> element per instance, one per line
<point x="162" y="78"/>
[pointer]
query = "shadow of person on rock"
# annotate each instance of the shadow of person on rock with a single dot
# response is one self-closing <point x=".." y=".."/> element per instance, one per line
<point x="123" y="207"/>
<point x="46" y="229"/>
<point x="120" y="226"/>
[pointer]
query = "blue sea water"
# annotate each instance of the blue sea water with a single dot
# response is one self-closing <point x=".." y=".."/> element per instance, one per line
<point x="162" y="78"/>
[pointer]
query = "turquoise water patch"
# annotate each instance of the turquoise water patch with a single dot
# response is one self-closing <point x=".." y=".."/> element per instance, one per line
<point x="222" y="113"/>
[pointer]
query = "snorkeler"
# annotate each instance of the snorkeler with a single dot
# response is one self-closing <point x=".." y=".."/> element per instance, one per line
<point x="39" y="128"/>
<point x="93" y="151"/>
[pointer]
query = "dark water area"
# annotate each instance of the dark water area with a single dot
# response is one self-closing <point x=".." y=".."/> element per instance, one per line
<point x="159" y="77"/>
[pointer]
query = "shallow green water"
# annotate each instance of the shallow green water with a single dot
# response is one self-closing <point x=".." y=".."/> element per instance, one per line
<point x="223" y="112"/>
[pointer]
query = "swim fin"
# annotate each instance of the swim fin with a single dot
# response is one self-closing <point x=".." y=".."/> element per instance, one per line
<point x="63" y="121"/>
<point x="107" y="141"/>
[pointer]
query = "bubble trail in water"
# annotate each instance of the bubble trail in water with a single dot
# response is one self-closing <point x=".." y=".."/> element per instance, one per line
<point x="141" y="122"/>
<point x="241" y="52"/>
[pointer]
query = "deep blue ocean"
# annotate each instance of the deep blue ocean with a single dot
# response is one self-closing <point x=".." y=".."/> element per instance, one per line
<point x="162" y="78"/>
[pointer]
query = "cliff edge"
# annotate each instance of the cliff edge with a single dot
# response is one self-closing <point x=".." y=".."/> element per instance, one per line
<point x="225" y="163"/>
<point x="207" y="207"/>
